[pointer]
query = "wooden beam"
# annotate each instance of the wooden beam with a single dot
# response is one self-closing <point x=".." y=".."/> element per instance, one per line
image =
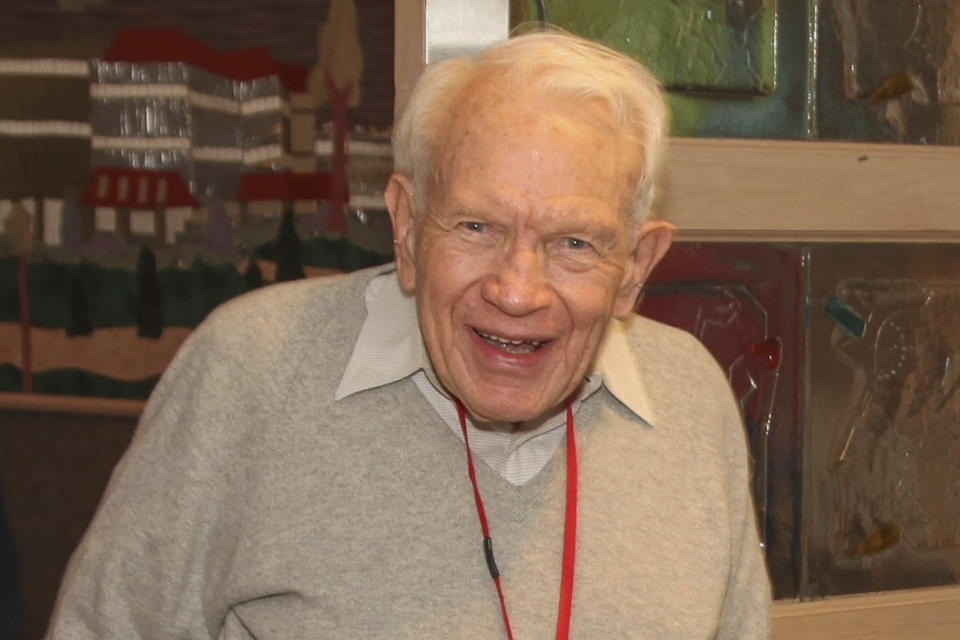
<point x="409" y="48"/>
<point x="732" y="189"/>
<point x="931" y="614"/>
<point x="70" y="404"/>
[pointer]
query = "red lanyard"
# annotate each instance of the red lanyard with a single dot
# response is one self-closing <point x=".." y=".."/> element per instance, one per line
<point x="569" y="530"/>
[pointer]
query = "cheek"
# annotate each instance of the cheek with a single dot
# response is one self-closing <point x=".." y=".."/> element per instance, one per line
<point x="452" y="274"/>
<point x="443" y="297"/>
<point x="590" y="303"/>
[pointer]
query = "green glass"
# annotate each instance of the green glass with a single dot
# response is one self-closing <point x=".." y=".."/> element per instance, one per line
<point x="733" y="69"/>
<point x="691" y="45"/>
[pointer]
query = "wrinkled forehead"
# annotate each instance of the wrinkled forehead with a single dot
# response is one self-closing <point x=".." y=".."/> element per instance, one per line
<point x="512" y="100"/>
<point x="492" y="118"/>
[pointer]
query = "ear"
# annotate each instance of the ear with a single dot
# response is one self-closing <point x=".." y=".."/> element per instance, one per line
<point x="651" y="244"/>
<point x="400" y="204"/>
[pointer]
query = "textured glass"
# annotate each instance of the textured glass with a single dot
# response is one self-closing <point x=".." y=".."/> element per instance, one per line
<point x="883" y="437"/>
<point x="700" y="45"/>
<point x="890" y="70"/>
<point x="742" y="301"/>
<point x="681" y="41"/>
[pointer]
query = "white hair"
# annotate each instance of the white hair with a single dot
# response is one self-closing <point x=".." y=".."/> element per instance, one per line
<point x="553" y="63"/>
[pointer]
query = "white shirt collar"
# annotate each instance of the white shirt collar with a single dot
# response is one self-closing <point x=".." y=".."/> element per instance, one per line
<point x="390" y="348"/>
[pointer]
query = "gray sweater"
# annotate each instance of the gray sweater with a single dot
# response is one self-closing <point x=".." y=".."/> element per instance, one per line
<point x="251" y="504"/>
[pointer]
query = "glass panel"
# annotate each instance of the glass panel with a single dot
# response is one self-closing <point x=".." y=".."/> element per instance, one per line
<point x="890" y="70"/>
<point x="683" y="42"/>
<point x="883" y="437"/>
<point x="700" y="45"/>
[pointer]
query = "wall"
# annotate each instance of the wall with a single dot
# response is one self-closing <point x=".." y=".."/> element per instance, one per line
<point x="56" y="456"/>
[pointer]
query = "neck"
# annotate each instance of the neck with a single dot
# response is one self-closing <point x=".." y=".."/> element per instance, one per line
<point x="524" y="426"/>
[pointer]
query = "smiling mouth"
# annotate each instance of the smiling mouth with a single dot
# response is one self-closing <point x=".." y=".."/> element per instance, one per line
<point x="509" y="345"/>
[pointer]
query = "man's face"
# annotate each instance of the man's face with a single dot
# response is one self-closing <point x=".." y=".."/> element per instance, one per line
<point x="523" y="253"/>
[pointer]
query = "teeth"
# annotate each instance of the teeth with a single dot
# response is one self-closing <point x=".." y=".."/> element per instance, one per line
<point x="490" y="336"/>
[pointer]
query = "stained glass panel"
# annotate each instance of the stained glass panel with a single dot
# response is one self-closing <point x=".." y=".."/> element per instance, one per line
<point x="883" y="437"/>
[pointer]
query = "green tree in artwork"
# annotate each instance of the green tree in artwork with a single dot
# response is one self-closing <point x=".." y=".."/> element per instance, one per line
<point x="289" y="266"/>
<point x="149" y="296"/>
<point x="78" y="320"/>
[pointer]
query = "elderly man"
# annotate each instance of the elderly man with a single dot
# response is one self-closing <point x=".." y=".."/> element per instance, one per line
<point x="481" y="441"/>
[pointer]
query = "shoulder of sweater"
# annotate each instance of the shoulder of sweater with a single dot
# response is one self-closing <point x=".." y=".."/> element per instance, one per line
<point x="674" y="358"/>
<point x="252" y="340"/>
<point x="691" y="392"/>
<point x="254" y="351"/>
<point x="290" y="310"/>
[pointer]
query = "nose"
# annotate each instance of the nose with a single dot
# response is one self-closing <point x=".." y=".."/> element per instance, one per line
<point x="518" y="285"/>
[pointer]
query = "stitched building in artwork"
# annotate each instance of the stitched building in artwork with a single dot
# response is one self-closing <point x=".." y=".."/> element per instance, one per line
<point x="139" y="206"/>
<point x="44" y="140"/>
<point x="156" y="99"/>
<point x="162" y="100"/>
<point x="269" y="193"/>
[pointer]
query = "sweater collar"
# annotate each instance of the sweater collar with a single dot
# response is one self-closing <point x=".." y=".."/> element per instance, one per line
<point x="390" y="348"/>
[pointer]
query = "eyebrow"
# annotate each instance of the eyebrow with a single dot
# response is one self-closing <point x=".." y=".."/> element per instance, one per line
<point x="566" y="219"/>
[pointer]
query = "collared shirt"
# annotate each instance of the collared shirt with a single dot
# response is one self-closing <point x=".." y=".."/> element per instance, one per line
<point x="390" y="348"/>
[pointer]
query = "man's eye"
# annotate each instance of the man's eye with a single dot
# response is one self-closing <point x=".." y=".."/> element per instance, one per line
<point x="575" y="243"/>
<point x="477" y="227"/>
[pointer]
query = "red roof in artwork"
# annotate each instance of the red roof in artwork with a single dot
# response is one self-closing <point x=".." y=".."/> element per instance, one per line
<point x="284" y="186"/>
<point x="293" y="76"/>
<point x="163" y="44"/>
<point x="137" y="189"/>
